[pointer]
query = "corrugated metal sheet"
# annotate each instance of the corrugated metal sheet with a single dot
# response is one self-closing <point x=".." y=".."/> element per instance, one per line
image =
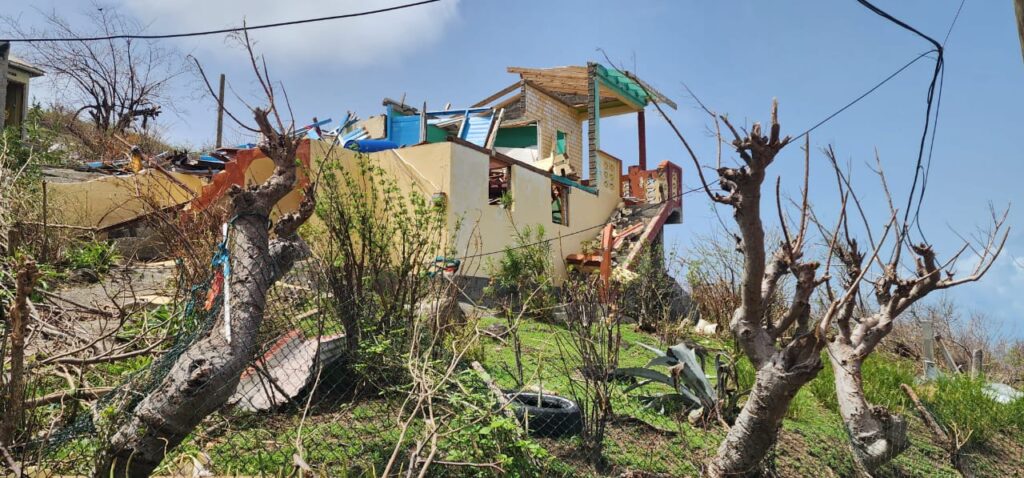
<point x="405" y="130"/>
<point x="476" y="129"/>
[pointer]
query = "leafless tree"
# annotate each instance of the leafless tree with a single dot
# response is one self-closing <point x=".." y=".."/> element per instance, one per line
<point x="202" y="378"/>
<point x="877" y="436"/>
<point x="111" y="84"/>
<point x="785" y="348"/>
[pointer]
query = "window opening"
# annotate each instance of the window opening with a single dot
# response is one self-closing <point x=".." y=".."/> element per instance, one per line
<point x="499" y="182"/>
<point x="559" y="204"/>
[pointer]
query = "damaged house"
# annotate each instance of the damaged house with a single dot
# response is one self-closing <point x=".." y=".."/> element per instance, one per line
<point x="530" y="154"/>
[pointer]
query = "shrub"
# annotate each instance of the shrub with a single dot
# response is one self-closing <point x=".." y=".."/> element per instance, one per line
<point x="655" y="299"/>
<point x="521" y="279"/>
<point x="521" y="285"/>
<point x="590" y="350"/>
<point x="373" y="259"/>
<point x="480" y="435"/>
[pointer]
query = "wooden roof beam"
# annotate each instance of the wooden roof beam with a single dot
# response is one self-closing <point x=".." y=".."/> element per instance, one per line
<point x="504" y="91"/>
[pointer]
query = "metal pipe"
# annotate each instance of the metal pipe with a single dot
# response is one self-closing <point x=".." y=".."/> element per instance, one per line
<point x="641" y="132"/>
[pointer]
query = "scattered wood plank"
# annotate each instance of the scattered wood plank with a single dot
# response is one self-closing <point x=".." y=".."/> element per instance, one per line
<point x="504" y="91"/>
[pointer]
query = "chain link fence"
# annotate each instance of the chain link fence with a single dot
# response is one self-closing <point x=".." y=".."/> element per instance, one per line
<point x="457" y="389"/>
<point x="370" y="360"/>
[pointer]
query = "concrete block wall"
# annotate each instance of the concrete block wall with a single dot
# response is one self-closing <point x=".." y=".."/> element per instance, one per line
<point x="555" y="116"/>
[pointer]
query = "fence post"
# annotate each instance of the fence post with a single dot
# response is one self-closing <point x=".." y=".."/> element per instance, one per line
<point x="46" y="242"/>
<point x="947" y="356"/>
<point x="928" y="339"/>
<point x="977" y="363"/>
<point x="5" y="48"/>
<point x="19" y="317"/>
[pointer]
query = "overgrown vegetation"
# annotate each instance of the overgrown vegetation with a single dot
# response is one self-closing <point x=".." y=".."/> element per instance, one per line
<point x="374" y="255"/>
<point x="521" y="279"/>
<point x="410" y="393"/>
<point x="589" y="357"/>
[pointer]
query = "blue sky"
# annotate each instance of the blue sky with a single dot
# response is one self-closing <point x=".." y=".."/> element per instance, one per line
<point x="813" y="56"/>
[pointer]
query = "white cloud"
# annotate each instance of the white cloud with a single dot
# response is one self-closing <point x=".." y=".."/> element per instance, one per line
<point x="376" y="39"/>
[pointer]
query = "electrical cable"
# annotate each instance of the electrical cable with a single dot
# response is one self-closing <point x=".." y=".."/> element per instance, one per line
<point x="591" y="228"/>
<point x="866" y="93"/>
<point x="939" y="63"/>
<point x="938" y="107"/>
<point x="219" y="31"/>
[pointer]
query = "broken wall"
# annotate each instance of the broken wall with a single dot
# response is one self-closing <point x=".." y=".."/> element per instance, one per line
<point x="555" y="116"/>
<point x="461" y="173"/>
<point x="110" y="200"/>
<point x="488" y="228"/>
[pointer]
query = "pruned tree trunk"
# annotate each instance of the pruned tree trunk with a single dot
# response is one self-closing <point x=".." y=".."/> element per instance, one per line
<point x="205" y="376"/>
<point x="786" y="361"/>
<point x="757" y="426"/>
<point x="782" y="369"/>
<point x="202" y="378"/>
<point x="19" y="316"/>
<point x="876" y="435"/>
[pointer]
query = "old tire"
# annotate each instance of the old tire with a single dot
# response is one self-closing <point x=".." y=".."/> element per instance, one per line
<point x="547" y="415"/>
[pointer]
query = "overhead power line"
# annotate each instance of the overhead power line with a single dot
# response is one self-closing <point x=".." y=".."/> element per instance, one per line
<point x="939" y="63"/>
<point x="220" y="31"/>
<point x="581" y="231"/>
<point x="866" y="93"/>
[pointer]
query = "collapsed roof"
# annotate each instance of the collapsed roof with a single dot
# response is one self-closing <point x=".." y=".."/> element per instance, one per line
<point x="620" y="91"/>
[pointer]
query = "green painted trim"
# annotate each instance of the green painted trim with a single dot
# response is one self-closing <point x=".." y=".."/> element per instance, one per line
<point x="597" y="113"/>
<point x="623" y="85"/>
<point x="568" y="182"/>
<point x="516" y="137"/>
<point x="597" y="130"/>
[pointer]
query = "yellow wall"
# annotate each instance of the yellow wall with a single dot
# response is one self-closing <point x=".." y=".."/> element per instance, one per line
<point x="457" y="171"/>
<point x="423" y="168"/>
<point x="110" y="200"/>
<point x="461" y="173"/>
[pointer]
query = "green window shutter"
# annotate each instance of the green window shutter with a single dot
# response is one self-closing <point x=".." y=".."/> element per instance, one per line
<point x="560" y="143"/>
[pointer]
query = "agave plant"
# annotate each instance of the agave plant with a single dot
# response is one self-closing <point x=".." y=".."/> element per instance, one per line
<point x="686" y="376"/>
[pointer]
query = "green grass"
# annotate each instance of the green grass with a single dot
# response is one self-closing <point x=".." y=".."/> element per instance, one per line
<point x="679" y="450"/>
<point x="356" y="439"/>
<point x="882" y="378"/>
<point x="959" y="403"/>
<point x="823" y="437"/>
<point x="99" y="256"/>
